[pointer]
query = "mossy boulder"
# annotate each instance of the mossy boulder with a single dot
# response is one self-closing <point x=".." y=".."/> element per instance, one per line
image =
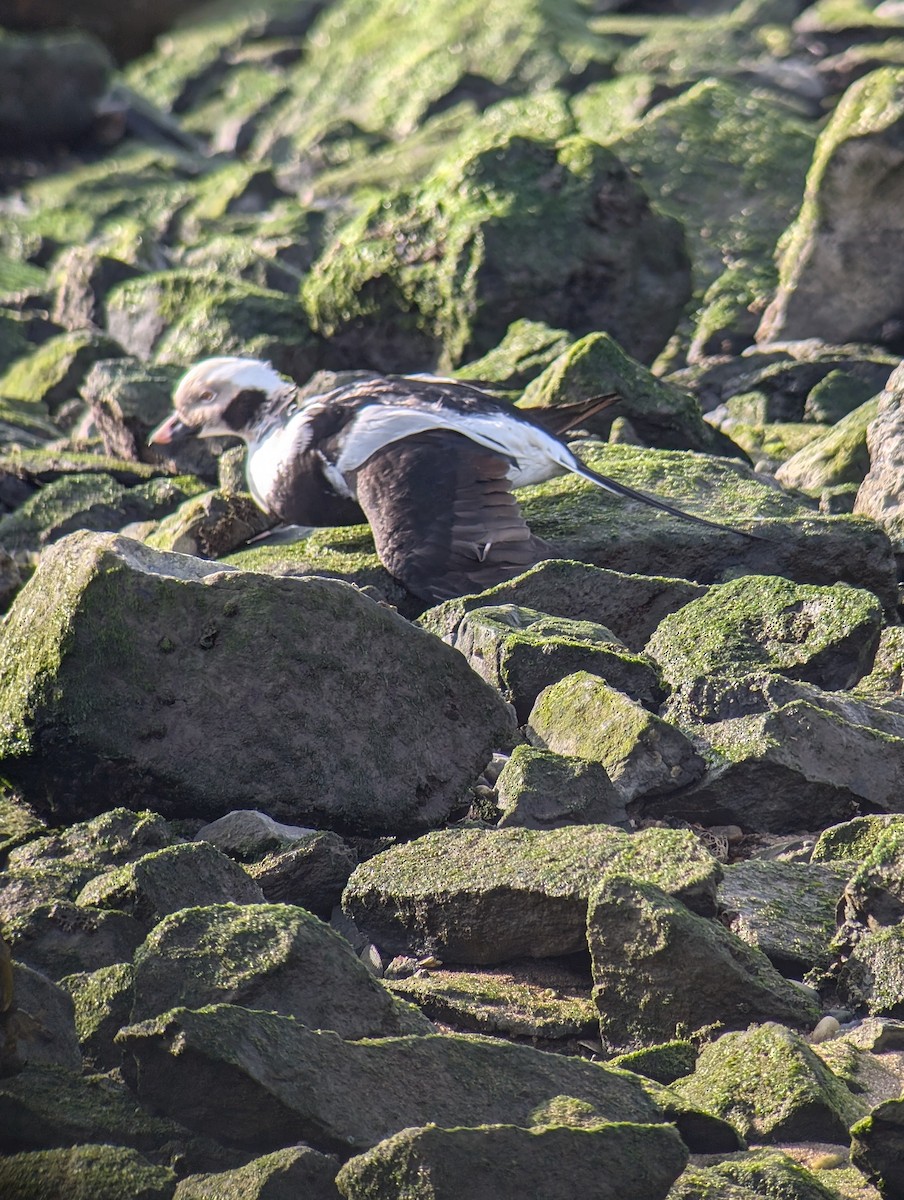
<point x="295" y="1171"/>
<point x="661" y="971"/>
<point x="881" y="495"/>
<point x="527" y="348"/>
<point x="38" y="1024"/>
<point x="874" y="895"/>
<point x="502" y="1003"/>
<point x="827" y="636"/>
<point x="488" y="241"/>
<point x="785" y="909"/>
<point x="170" y="631"/>
<point x="606" y="1161"/>
<point x="873" y="975"/>
<point x="772" y="1087"/>
<point x="877" y="1148"/>
<point x="643" y="755"/>
<point x="833" y="278"/>
<point x="211" y="525"/>
<point x="486" y="896"/>
<point x="521" y="651"/>
<point x="630" y="605"/>
<point x="662" y="414"/>
<point x="754" y="1173"/>
<point x="111" y="839"/>
<point x="269" y="956"/>
<point x="185" y="1057"/>
<point x="887" y="676"/>
<point x="86" y="1172"/>
<point x="52" y="374"/>
<point x="59" y="938"/>
<point x="839" y="456"/>
<point x="665" y="1062"/>
<point x="853" y="840"/>
<point x="537" y="789"/>
<point x="311" y="875"/>
<point x="103" y="1003"/>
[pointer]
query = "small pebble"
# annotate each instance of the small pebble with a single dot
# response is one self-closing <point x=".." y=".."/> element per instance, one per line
<point x="826" y="1029"/>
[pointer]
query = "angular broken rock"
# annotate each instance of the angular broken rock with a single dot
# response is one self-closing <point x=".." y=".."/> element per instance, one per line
<point x="52" y="1171"/>
<point x="606" y="1161"/>
<point x="537" y="789"/>
<point x="296" y="1083"/>
<point x="661" y="971"/>
<point x="827" y="636"/>
<point x="140" y="677"/>
<point x="520" y="651"/>
<point x="487" y="896"/>
<point x="630" y="605"/>
<point x="772" y="1087"/>
<point x="877" y="1148"/>
<point x="873" y="975"/>
<point x="103" y="1005"/>
<point x="296" y="1173"/>
<point x="38" y="1029"/>
<point x="61" y="938"/>
<point x="312" y="874"/>
<point x="267" y="956"/>
<point x="881" y="495"/>
<point x="247" y="835"/>
<point x="643" y="755"/>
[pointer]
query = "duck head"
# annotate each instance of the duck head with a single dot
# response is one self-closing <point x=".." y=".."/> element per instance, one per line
<point x="223" y="397"/>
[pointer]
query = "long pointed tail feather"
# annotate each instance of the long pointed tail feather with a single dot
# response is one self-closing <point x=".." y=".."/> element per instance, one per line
<point x="622" y="489"/>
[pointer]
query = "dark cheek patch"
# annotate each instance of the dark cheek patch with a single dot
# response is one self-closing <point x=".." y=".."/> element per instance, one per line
<point x="244" y="408"/>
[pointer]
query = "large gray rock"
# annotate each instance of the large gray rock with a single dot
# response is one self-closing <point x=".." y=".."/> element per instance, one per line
<point x="643" y="755"/>
<point x="772" y="1087"/>
<point x="484" y="896"/>
<point x="148" y="676"/>
<point x="660" y="970"/>
<point x="38" y="1028"/>
<point x="296" y="1173"/>
<point x="541" y="790"/>
<point x="102" y="1172"/>
<point x="835" y="281"/>
<point x="267" y="956"/>
<point x="344" y="1097"/>
<point x="61" y="938"/>
<point x="881" y="495"/>
<point x="601" y="1162"/>
<point x="873" y="974"/>
<point x="103" y="1004"/>
<point x="877" y="1148"/>
<point x="827" y="636"/>
<point x="49" y="87"/>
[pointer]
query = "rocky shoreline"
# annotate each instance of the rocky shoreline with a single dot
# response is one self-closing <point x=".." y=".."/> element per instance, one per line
<point x="588" y="885"/>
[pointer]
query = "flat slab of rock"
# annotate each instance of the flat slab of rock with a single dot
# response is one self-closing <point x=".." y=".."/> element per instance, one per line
<point x="487" y="896"/>
<point x="605" y="1162"/>
<point x="643" y="755"/>
<point x="296" y="1083"/>
<point x="787" y="910"/>
<point x="348" y="714"/>
<point x="827" y="636"/>
<point x="630" y="605"/>
<point x="660" y="970"/>
<point x="772" y="1087"/>
<point x="267" y="956"/>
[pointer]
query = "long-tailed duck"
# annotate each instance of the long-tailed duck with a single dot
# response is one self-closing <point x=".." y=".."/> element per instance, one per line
<point x="429" y="462"/>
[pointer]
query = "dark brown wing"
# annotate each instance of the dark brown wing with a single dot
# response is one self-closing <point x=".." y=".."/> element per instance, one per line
<point x="559" y="418"/>
<point x="443" y="516"/>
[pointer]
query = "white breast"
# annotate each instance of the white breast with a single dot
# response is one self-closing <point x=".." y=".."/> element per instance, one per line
<point x="269" y="459"/>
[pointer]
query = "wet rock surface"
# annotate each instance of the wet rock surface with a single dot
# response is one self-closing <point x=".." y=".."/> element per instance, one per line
<point x="545" y="888"/>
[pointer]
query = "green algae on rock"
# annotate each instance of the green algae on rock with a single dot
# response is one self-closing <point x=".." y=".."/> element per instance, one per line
<point x="772" y="1086"/>
<point x="826" y="636"/>
<point x="99" y="603"/>
<point x="643" y="755"/>
<point x="296" y="1171"/>
<point x="486" y="241"/>
<point x="269" y="956"/>
<point x="85" y="1172"/>
<point x="103" y="1004"/>
<point x="607" y="1161"/>
<point x="752" y="1174"/>
<point x="537" y="789"/>
<point x="211" y="525"/>
<point x="52" y="374"/>
<point x="661" y="971"/>
<point x="527" y="349"/>
<point x="839" y="456"/>
<point x="490" y="895"/>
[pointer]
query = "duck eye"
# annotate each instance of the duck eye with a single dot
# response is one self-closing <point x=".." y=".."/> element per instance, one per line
<point x="208" y="395"/>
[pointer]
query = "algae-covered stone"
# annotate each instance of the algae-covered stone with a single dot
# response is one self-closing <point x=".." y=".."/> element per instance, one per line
<point x="527" y="349"/>
<point x="488" y="241"/>
<point x="881" y="495"/>
<point x="266" y="956"/>
<point x="521" y="651"/>
<point x="485" y="896"/>
<point x="297" y="1171"/>
<point x="787" y="910"/>
<point x="665" y="1062"/>
<point x="834" y="278"/>
<point x="211" y="525"/>
<point x="540" y="790"/>
<point x="607" y="1162"/>
<point x="500" y="1003"/>
<point x="53" y="373"/>
<point x="887" y="676"/>
<point x="752" y="1174"/>
<point x="853" y="840"/>
<point x="582" y="521"/>
<point x="89" y="501"/>
<point x="772" y="1087"/>
<point x="103" y="1002"/>
<point x="643" y="755"/>
<point x="660" y="971"/>
<point x="85" y="1173"/>
<point x="840" y="456"/>
<point x="827" y="636"/>
<point x="877" y="1148"/>
<point x="171" y="879"/>
<point x="118" y="650"/>
<point x="178" y="316"/>
<point x="108" y="840"/>
<point x="185" y="1058"/>
<point x="630" y="605"/>
<point x="60" y="938"/>
<point x="873" y="975"/>
<point x="874" y="894"/>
